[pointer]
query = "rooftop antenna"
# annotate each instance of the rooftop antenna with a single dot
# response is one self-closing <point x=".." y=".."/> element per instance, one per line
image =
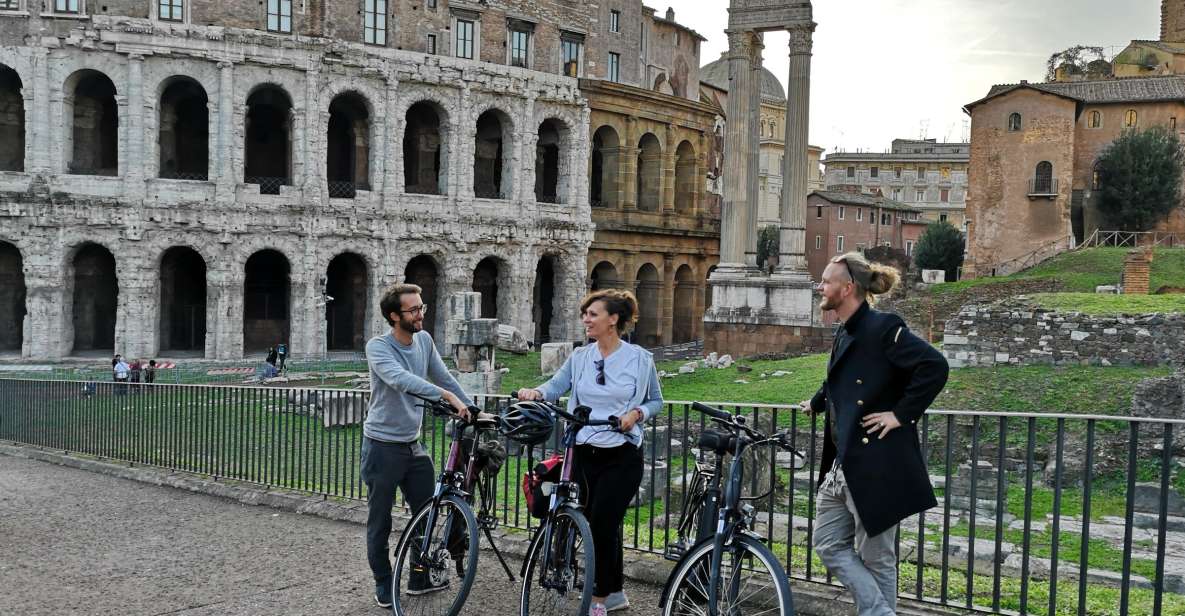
<point x="923" y="129"/>
<point x="966" y="130"/>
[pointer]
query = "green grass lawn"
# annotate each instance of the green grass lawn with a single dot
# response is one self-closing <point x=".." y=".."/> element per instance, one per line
<point x="1081" y="271"/>
<point x="1107" y="304"/>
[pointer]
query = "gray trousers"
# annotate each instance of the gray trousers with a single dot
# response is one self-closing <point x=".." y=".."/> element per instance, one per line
<point x="866" y="566"/>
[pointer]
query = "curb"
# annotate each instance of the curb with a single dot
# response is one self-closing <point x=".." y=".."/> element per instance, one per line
<point x="810" y="598"/>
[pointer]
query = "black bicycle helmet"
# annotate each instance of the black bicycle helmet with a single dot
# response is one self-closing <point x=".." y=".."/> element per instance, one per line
<point x="527" y="422"/>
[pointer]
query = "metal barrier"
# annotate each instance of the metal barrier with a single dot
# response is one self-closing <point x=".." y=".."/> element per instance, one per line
<point x="1038" y="513"/>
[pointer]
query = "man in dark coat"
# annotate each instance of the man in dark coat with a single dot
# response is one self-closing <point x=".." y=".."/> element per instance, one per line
<point x="880" y="380"/>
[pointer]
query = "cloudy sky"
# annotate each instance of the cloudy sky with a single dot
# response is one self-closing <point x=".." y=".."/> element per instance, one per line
<point x="897" y="68"/>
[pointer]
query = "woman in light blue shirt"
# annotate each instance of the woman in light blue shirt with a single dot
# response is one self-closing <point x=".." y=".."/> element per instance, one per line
<point x="613" y="378"/>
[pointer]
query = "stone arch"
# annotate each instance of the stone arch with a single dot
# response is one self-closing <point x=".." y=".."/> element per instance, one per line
<point x="649" y="178"/>
<point x="708" y="288"/>
<point x="267" y="314"/>
<point x="685" y="180"/>
<point x="426" y="272"/>
<point x="491" y="278"/>
<point x="551" y="161"/>
<point x="95" y="298"/>
<point x="546" y="299"/>
<point x="93" y="116"/>
<point x="426" y="148"/>
<point x="12" y="120"/>
<point x="347" y="156"/>
<point x="12" y="303"/>
<point x="183" y="130"/>
<point x="347" y="280"/>
<point x="493" y="173"/>
<point x="267" y="134"/>
<point x="604" y="189"/>
<point x="646" y="330"/>
<point x="605" y="276"/>
<point x="686" y="286"/>
<point x="183" y="300"/>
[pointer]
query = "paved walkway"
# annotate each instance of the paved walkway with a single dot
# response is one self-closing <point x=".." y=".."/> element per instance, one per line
<point x="77" y="542"/>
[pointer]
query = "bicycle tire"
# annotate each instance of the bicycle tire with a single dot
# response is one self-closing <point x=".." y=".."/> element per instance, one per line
<point x="567" y="525"/>
<point x="429" y="604"/>
<point x="685" y="593"/>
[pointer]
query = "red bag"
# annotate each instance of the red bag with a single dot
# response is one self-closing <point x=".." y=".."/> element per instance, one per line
<point x="548" y="470"/>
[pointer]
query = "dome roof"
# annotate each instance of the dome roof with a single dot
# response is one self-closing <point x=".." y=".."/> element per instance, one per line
<point x="716" y="75"/>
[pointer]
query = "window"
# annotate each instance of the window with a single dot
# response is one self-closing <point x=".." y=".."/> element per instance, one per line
<point x="851" y="172"/>
<point x="1129" y="118"/>
<point x="1173" y="123"/>
<point x="520" y="42"/>
<point x="464" y="43"/>
<point x="944" y="195"/>
<point x="839" y="243"/>
<point x="944" y="172"/>
<point x="1043" y="178"/>
<point x="942" y="217"/>
<point x="874" y="172"/>
<point x="859" y="214"/>
<point x="1094" y="120"/>
<point x="66" y="6"/>
<point x="614" y="67"/>
<point x="431" y="46"/>
<point x="615" y="21"/>
<point x="1096" y="176"/>
<point x="374" y="22"/>
<point x="921" y="173"/>
<point x="167" y="10"/>
<point x="571" y="47"/>
<point x="920" y="195"/>
<point x="1014" y="122"/>
<point x="886" y="219"/>
<point x="896" y="194"/>
<point x="773" y="129"/>
<point x="279" y="15"/>
<point x="909" y="247"/>
<point x="841" y="212"/>
<point x="430" y="4"/>
<point x="10" y="5"/>
<point x="818" y="242"/>
<point x="897" y="172"/>
<point x="819" y="212"/>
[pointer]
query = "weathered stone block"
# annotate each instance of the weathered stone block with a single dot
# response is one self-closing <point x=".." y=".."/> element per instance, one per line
<point x="553" y="357"/>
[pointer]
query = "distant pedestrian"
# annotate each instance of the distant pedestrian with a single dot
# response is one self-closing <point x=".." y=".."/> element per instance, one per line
<point x="137" y="370"/>
<point x="281" y="353"/>
<point x="271" y="356"/>
<point x="150" y="373"/>
<point x="122" y="372"/>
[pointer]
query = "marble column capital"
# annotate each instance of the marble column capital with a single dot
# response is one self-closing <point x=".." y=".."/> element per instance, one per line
<point x="801" y="39"/>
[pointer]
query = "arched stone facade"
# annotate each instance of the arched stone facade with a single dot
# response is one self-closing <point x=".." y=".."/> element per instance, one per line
<point x="138" y="213"/>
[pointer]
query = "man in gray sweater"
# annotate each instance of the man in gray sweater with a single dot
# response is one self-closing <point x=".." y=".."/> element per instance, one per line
<point x="402" y="362"/>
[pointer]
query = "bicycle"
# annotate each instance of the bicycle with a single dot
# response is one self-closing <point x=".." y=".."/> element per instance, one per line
<point x="727" y="569"/>
<point x="439" y="546"/>
<point x="560" y="561"/>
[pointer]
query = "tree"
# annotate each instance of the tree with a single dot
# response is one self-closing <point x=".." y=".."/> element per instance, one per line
<point x="767" y="245"/>
<point x="1139" y="178"/>
<point x="940" y="247"/>
<point x="1076" y="59"/>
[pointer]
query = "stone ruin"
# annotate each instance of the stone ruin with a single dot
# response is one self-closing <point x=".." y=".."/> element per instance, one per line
<point x="472" y="341"/>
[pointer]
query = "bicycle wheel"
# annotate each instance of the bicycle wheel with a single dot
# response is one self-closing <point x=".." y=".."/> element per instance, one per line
<point x="436" y="582"/>
<point x="752" y="581"/>
<point x="562" y="584"/>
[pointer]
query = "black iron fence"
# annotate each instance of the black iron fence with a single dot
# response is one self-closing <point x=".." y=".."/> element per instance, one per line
<point x="1038" y="513"/>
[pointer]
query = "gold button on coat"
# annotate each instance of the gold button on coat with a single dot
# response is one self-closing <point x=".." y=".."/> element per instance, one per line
<point x="859" y="403"/>
<point x="859" y="381"/>
<point x="864" y="440"/>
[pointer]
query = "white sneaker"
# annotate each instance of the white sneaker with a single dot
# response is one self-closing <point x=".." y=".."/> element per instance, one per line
<point x="617" y="601"/>
<point x="597" y="609"/>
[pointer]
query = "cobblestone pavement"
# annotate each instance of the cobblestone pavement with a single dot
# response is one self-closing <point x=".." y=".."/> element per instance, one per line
<point x="77" y="542"/>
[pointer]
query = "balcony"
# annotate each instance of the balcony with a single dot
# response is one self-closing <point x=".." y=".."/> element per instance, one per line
<point x="1042" y="188"/>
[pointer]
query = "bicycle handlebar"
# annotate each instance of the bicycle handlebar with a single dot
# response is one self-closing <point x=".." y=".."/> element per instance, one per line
<point x="441" y="408"/>
<point x="736" y="423"/>
<point x="580" y="417"/>
<point x="711" y="411"/>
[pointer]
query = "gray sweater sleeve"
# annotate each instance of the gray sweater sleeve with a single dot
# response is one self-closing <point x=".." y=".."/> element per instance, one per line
<point x="391" y="371"/>
<point x="439" y="373"/>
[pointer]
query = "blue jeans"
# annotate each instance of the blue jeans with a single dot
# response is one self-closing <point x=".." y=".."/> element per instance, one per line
<point x="386" y="466"/>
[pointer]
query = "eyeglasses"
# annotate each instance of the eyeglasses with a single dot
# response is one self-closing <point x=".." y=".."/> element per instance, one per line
<point x="421" y="309"/>
<point x="600" y="364"/>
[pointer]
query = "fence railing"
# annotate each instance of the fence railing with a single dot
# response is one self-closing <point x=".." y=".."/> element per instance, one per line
<point x="267" y="185"/>
<point x="1038" y="514"/>
<point x="1133" y="239"/>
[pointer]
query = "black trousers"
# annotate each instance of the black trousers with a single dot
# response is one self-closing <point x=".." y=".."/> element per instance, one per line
<point x="609" y="478"/>
<point x="385" y="466"/>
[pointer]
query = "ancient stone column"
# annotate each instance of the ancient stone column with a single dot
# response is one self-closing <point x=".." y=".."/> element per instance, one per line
<point x="40" y="159"/>
<point x="792" y="234"/>
<point x="734" y="214"/>
<point x="666" y="321"/>
<point x="668" y="171"/>
<point x="627" y="163"/>
<point x="227" y="146"/>
<point x="753" y="196"/>
<point x="131" y="165"/>
<point x="527" y="144"/>
<point x="392" y="151"/>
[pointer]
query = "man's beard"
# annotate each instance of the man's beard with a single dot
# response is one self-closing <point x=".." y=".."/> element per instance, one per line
<point x="825" y="304"/>
<point x="411" y="327"/>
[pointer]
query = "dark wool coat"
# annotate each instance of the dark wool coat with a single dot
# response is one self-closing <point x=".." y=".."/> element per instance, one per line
<point x="878" y="365"/>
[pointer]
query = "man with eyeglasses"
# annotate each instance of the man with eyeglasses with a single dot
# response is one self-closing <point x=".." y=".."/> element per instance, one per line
<point x="402" y="362"/>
